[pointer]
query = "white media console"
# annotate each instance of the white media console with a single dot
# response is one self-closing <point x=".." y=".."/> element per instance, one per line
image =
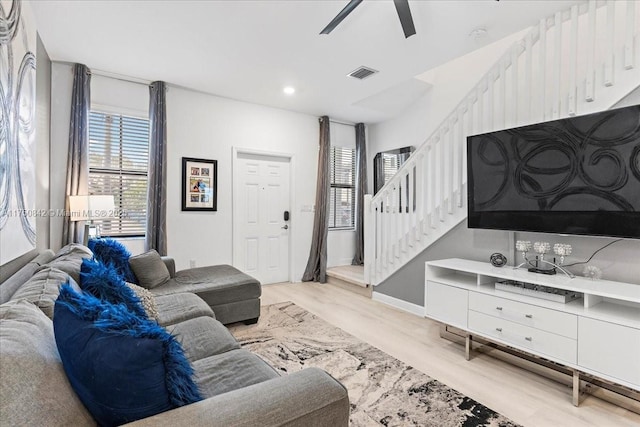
<point x="597" y="333"/>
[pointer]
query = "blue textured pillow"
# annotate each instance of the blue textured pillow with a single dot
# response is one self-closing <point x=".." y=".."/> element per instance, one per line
<point x="122" y="367"/>
<point x="105" y="283"/>
<point x="110" y="251"/>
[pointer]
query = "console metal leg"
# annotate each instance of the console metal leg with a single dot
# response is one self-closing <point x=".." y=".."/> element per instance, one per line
<point x="576" y="388"/>
<point x="468" y="344"/>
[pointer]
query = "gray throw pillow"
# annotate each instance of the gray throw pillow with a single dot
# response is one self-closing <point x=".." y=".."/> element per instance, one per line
<point x="149" y="269"/>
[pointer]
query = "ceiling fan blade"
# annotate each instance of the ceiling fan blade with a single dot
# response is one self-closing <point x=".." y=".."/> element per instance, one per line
<point x="404" y="13"/>
<point x="340" y="16"/>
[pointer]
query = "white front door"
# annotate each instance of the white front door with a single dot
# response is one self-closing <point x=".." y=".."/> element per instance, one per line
<point x="261" y="234"/>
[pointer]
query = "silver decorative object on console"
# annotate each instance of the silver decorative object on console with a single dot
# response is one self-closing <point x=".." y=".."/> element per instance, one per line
<point x="592" y="272"/>
<point x="541" y="249"/>
<point x="562" y="250"/>
<point x="523" y="246"/>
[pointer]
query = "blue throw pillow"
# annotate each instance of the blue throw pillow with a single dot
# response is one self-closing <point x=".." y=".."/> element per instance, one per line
<point x="122" y="367"/>
<point x="103" y="282"/>
<point x="110" y="251"/>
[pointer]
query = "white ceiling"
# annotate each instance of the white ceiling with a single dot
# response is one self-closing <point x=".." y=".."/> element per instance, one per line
<point x="250" y="50"/>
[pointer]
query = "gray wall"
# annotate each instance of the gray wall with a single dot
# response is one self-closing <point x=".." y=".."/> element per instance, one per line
<point x="62" y="85"/>
<point x="43" y="120"/>
<point x="618" y="262"/>
<point x="408" y="283"/>
<point x="43" y="117"/>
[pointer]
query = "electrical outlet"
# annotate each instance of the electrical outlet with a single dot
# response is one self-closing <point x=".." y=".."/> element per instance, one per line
<point x="192" y="263"/>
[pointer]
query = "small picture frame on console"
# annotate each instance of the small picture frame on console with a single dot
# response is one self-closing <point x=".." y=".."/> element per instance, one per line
<point x="199" y="184"/>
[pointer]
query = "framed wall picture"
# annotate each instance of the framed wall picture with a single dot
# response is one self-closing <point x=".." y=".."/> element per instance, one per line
<point x="199" y="184"/>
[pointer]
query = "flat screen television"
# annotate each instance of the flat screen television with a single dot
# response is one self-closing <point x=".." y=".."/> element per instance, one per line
<point x="579" y="175"/>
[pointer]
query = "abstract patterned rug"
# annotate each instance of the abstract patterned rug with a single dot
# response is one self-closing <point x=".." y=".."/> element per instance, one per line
<point x="382" y="390"/>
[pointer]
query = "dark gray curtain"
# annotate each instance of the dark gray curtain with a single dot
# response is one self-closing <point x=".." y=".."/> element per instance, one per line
<point x="316" y="270"/>
<point x="78" y="159"/>
<point x="361" y="188"/>
<point x="156" y="235"/>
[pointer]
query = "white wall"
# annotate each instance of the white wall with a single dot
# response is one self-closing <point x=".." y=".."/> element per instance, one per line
<point x="118" y="96"/>
<point x="205" y="126"/>
<point x="341" y="247"/>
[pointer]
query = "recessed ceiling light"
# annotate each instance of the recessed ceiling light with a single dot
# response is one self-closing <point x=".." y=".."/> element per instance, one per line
<point x="478" y="33"/>
<point x="289" y="90"/>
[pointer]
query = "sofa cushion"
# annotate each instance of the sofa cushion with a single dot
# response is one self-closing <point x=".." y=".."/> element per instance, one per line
<point x="43" y="288"/>
<point x="110" y="251"/>
<point x="219" y="284"/>
<point x="149" y="268"/>
<point x="203" y="337"/>
<point x="180" y="307"/>
<point x="105" y="283"/>
<point x="69" y="259"/>
<point x="13" y="281"/>
<point x="230" y="371"/>
<point x="34" y="389"/>
<point x="122" y="367"/>
<point x="147" y="300"/>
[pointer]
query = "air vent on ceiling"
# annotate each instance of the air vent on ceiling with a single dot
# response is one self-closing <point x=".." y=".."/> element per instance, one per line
<point x="362" y="72"/>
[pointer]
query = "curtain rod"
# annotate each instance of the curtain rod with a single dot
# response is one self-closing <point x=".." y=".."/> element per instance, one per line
<point x="341" y="123"/>
<point x="122" y="77"/>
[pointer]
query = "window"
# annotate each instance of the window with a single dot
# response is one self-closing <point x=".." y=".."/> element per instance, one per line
<point x="390" y="165"/>
<point x="118" y="165"/>
<point x="342" y="195"/>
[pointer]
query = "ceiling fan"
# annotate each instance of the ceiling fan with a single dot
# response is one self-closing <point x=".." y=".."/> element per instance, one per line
<point x="402" y="7"/>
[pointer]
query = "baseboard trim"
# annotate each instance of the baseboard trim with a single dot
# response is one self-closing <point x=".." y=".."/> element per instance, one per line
<point x="403" y="305"/>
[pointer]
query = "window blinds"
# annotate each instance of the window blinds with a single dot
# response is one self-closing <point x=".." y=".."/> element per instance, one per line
<point x="118" y="165"/>
<point x="342" y="188"/>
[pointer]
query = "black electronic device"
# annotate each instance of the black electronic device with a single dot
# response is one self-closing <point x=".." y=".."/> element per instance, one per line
<point x="579" y="175"/>
<point x="286" y="215"/>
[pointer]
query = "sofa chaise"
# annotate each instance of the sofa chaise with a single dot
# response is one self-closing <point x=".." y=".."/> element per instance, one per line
<point x="233" y="295"/>
<point x="237" y="386"/>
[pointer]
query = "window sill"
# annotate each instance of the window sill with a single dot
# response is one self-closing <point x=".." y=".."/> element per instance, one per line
<point x="343" y="229"/>
<point x="125" y="238"/>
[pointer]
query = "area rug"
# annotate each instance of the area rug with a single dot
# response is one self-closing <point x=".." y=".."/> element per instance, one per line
<point x="382" y="390"/>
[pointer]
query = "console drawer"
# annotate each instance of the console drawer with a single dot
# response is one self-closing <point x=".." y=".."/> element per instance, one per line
<point x="447" y="304"/>
<point x="610" y="349"/>
<point x="538" y="341"/>
<point x="564" y="324"/>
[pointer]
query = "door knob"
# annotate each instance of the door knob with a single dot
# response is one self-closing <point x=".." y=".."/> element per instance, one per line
<point x="286" y="227"/>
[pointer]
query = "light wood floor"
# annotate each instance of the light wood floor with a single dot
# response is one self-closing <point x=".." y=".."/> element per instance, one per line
<point x="524" y="397"/>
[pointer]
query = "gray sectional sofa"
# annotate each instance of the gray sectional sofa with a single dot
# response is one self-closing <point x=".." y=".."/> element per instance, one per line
<point x="231" y="294"/>
<point x="238" y="387"/>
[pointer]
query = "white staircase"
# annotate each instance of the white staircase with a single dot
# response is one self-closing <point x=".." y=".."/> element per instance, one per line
<point x="579" y="61"/>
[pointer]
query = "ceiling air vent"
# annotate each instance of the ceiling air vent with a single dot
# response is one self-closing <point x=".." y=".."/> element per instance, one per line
<point x="362" y="72"/>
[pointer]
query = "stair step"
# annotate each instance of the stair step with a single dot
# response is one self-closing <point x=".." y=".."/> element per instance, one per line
<point x="349" y="277"/>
